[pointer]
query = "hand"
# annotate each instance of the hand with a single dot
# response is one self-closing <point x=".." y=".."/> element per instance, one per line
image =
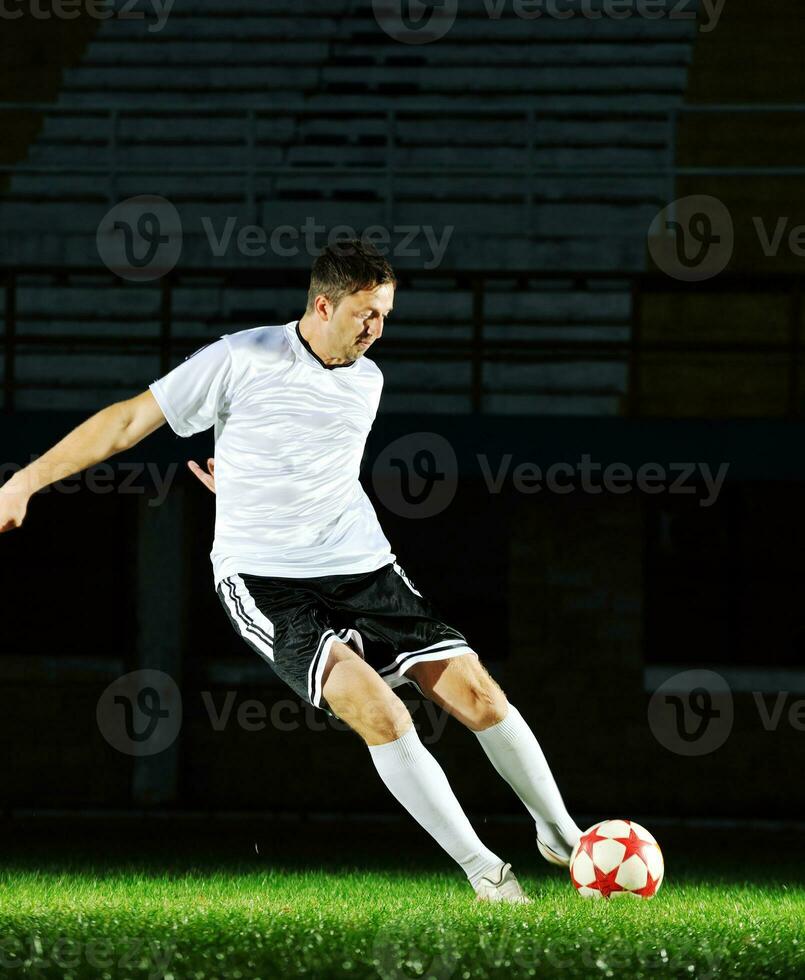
<point x="13" y="505"/>
<point x="207" y="477"/>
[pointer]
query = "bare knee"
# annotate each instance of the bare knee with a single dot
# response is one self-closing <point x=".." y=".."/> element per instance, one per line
<point x="362" y="699"/>
<point x="487" y="704"/>
<point x="464" y="687"/>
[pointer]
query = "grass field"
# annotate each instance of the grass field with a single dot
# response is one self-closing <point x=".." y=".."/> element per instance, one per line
<point x="379" y="902"/>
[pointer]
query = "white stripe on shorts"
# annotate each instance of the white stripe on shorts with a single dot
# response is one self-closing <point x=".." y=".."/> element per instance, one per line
<point x="319" y="662"/>
<point x="254" y="626"/>
<point x="407" y="580"/>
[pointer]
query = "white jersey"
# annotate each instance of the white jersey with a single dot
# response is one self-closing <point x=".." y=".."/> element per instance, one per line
<point x="289" y="440"/>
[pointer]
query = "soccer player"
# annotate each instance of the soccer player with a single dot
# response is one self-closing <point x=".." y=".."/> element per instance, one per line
<point x="300" y="562"/>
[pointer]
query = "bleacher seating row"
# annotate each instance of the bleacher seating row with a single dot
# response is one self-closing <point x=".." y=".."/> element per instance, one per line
<point x="434" y="318"/>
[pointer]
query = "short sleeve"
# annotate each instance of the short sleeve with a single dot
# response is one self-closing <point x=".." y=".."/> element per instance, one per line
<point x="194" y="394"/>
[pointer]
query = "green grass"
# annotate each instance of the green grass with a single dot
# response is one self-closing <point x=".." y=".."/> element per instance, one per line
<point x="181" y="908"/>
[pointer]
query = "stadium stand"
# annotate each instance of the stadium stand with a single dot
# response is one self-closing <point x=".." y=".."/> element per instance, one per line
<point x="255" y="115"/>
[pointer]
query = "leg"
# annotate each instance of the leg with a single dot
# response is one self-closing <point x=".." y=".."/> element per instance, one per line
<point x="312" y="657"/>
<point x="464" y="688"/>
<point x="359" y="696"/>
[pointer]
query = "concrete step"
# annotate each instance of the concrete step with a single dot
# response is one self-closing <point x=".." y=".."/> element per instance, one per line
<point x="298" y="8"/>
<point x="356" y="129"/>
<point x="562" y="336"/>
<point x="103" y="302"/>
<point x="229" y="234"/>
<point x="168" y="80"/>
<point x="464" y="252"/>
<point x="84" y="217"/>
<point x="328" y="20"/>
<point x="591" y="104"/>
<point x="557" y="376"/>
<point x="187" y="51"/>
<point x="585" y="405"/>
<point x="560" y="131"/>
<point x="367" y="8"/>
<point x="125" y="369"/>
<point x="88" y="399"/>
<point x="76" y="155"/>
<point x="507" y="158"/>
<point x="179" y="80"/>
<point x="472" y="189"/>
<point x="296" y="197"/>
<point x="42" y="304"/>
<point x="570" y="305"/>
<point x="233" y="27"/>
<point x="554" y="378"/>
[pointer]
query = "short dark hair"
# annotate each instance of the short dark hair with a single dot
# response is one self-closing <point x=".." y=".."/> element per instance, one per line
<point x="347" y="267"/>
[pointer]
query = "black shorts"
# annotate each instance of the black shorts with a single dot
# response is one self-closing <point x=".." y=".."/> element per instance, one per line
<point x="293" y="623"/>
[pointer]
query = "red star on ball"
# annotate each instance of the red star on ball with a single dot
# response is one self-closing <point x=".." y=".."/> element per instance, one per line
<point x="649" y="889"/>
<point x="634" y="845"/>
<point x="587" y="841"/>
<point x="605" y="882"/>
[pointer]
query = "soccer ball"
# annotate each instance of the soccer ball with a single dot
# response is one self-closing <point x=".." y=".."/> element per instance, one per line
<point x="615" y="858"/>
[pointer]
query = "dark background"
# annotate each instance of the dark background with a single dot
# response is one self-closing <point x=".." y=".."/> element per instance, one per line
<point x="546" y="333"/>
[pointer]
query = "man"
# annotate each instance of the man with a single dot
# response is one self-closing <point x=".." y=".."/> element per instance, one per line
<point x="300" y="562"/>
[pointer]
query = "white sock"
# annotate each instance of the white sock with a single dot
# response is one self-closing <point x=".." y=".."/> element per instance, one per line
<point x="515" y="753"/>
<point x="416" y="779"/>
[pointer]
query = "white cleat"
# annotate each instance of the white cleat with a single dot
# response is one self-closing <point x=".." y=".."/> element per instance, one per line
<point x="501" y="886"/>
<point x="552" y="856"/>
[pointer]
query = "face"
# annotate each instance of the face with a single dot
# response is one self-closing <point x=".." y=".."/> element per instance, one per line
<point x="358" y="320"/>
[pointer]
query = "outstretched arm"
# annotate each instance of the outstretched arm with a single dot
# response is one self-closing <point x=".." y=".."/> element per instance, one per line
<point x="110" y="431"/>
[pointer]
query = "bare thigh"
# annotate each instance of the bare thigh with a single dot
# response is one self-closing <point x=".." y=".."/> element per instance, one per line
<point x="361" y="698"/>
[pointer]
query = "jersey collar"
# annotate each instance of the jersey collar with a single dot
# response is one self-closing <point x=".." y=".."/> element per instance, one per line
<point x="304" y="350"/>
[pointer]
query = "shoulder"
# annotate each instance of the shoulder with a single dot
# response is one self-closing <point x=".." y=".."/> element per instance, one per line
<point x="270" y="342"/>
<point x="258" y="350"/>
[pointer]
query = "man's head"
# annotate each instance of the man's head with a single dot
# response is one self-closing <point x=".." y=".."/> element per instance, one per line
<point x="351" y="294"/>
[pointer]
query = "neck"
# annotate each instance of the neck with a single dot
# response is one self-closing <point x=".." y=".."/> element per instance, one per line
<point x="312" y="330"/>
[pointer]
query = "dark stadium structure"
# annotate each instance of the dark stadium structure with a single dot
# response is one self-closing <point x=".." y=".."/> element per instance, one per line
<point x="620" y="432"/>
